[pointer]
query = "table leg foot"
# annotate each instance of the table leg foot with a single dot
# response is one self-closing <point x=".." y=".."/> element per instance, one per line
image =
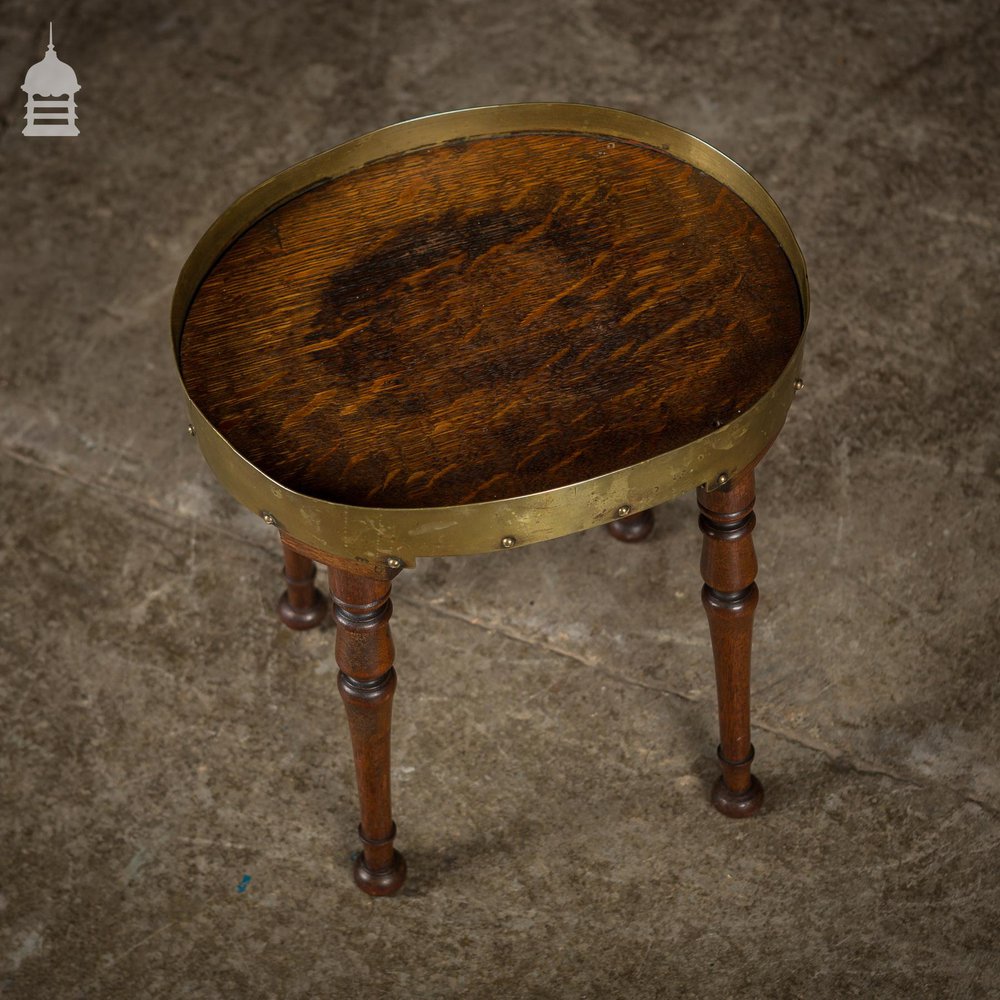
<point x="302" y="605"/>
<point x="386" y="882"/>
<point x="634" y="528"/>
<point x="737" y="805"/>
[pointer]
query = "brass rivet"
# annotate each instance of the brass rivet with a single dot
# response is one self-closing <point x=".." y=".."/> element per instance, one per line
<point x="624" y="510"/>
<point x="191" y="429"/>
<point x="723" y="478"/>
<point x="394" y="562"/>
<point x="267" y="517"/>
<point x="508" y="541"/>
<point x="797" y="384"/>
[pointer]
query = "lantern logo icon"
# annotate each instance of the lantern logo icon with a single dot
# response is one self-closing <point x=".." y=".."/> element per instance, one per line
<point x="50" y="86"/>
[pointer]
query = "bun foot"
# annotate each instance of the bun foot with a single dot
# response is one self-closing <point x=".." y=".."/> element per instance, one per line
<point x="737" y="805"/>
<point x="633" y="528"/>
<point x="303" y="618"/>
<point x="386" y="882"/>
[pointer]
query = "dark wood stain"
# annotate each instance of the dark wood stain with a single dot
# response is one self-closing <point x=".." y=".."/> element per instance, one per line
<point x="488" y="318"/>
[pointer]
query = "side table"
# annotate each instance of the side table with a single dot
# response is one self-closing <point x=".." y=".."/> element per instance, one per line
<point x="483" y="329"/>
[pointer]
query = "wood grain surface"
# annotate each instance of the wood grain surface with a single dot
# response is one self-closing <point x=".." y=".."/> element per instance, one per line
<point x="489" y="318"/>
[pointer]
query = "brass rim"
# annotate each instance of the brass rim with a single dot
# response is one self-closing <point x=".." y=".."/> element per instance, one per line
<point x="373" y="535"/>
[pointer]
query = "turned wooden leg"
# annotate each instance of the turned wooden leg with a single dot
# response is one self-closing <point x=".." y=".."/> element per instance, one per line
<point x="302" y="605"/>
<point x="633" y="528"/>
<point x="728" y="566"/>
<point x="367" y="681"/>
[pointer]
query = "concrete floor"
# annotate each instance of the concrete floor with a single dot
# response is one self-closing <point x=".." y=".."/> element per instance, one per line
<point x="163" y="737"/>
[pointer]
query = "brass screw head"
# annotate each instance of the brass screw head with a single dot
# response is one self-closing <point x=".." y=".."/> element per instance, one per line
<point x="267" y="517"/>
<point x="723" y="478"/>
<point x="797" y="384"/>
<point x="394" y="562"/>
<point x="508" y="541"/>
<point x="624" y="510"/>
<point x="191" y="429"/>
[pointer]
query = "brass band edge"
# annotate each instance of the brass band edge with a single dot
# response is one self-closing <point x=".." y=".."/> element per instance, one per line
<point x="375" y="534"/>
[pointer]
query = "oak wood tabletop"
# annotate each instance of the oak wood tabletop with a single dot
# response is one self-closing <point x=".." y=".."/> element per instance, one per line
<point x="487" y="318"/>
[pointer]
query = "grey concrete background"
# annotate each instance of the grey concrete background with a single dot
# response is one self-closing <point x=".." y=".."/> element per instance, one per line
<point x="162" y="736"/>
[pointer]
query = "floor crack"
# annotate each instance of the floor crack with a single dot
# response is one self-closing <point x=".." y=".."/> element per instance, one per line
<point x="504" y="630"/>
<point x="131" y="498"/>
<point x="837" y="757"/>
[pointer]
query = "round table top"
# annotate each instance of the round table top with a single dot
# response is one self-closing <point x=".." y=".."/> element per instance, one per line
<point x="489" y="317"/>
